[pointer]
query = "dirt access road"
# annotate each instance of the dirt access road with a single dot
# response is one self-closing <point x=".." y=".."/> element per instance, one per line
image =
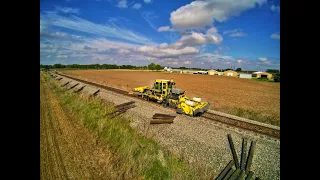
<point x="67" y="149"/>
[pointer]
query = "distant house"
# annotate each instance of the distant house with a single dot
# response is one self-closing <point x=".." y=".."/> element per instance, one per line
<point x="212" y="72"/>
<point x="175" y="71"/>
<point x="202" y="72"/>
<point x="230" y="73"/>
<point x="262" y="75"/>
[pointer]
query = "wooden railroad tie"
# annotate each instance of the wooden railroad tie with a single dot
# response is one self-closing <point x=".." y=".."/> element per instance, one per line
<point x="158" y="118"/>
<point x="95" y="93"/>
<point x="73" y="86"/>
<point x="80" y="89"/>
<point x="65" y="84"/>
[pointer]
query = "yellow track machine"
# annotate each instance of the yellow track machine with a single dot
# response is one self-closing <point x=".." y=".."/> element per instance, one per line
<point x="164" y="93"/>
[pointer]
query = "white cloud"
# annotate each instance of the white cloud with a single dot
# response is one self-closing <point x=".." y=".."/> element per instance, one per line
<point x="123" y="51"/>
<point x="82" y="25"/>
<point x="262" y="58"/>
<point x="212" y="30"/>
<point x="239" y="61"/>
<point x="67" y="10"/>
<point x="235" y="33"/>
<point x="213" y="57"/>
<point x="163" y="45"/>
<point x="275" y="8"/>
<point x="187" y="62"/>
<point x="238" y="34"/>
<point x="122" y="4"/>
<point x="275" y="36"/>
<point x="62" y="56"/>
<point x="195" y="39"/>
<point x="136" y="6"/>
<point x="164" y="28"/>
<point x="199" y="14"/>
<point x="173" y="63"/>
<point x="149" y="17"/>
<point x="166" y="52"/>
<point x="147" y="1"/>
<point x="221" y="49"/>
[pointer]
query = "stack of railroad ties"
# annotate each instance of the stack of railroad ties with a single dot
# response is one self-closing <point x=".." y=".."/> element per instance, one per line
<point x="122" y="108"/>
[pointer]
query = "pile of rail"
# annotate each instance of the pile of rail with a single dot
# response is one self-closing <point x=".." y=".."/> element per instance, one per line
<point x="242" y="170"/>
<point x="122" y="108"/>
<point x="227" y="120"/>
<point x="162" y="118"/>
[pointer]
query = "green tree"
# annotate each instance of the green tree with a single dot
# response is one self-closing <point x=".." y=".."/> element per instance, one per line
<point x="57" y="66"/>
<point x="152" y="66"/>
<point x="273" y="71"/>
<point x="158" y="67"/>
<point x="238" y="69"/>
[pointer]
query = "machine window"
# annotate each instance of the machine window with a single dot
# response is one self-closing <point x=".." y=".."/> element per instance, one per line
<point x="156" y="85"/>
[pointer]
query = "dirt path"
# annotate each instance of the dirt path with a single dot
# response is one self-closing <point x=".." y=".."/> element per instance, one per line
<point x="67" y="149"/>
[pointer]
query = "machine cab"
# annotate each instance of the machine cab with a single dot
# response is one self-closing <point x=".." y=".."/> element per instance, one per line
<point x="163" y="86"/>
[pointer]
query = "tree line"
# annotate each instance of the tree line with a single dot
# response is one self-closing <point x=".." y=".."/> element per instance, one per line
<point x="151" y="66"/>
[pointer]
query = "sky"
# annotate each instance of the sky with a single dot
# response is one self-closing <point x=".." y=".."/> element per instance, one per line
<point x="208" y="34"/>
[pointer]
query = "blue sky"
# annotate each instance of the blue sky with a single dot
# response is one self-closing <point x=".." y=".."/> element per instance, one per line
<point x="204" y="33"/>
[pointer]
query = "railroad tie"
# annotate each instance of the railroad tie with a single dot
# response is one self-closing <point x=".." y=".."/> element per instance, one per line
<point x="95" y="93"/>
<point x="73" y="86"/>
<point x="65" y="84"/>
<point x="225" y="170"/>
<point x="80" y="89"/>
<point x="234" y="153"/>
<point x="162" y="118"/>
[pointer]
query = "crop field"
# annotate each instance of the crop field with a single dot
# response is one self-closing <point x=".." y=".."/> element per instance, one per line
<point x="259" y="101"/>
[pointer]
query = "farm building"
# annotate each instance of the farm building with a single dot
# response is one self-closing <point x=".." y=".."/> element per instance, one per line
<point x="247" y="76"/>
<point x="262" y="75"/>
<point x="202" y="72"/>
<point x="176" y="71"/>
<point x="219" y="73"/>
<point x="212" y="72"/>
<point x="230" y="73"/>
<point x="167" y="69"/>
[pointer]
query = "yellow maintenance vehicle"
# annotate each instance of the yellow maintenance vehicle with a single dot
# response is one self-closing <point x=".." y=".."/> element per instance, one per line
<point x="164" y="93"/>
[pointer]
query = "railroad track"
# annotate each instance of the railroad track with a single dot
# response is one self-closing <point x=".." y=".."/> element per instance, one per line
<point x="275" y="133"/>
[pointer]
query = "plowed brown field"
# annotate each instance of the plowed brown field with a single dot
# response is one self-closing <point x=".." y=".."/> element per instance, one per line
<point x="255" y="100"/>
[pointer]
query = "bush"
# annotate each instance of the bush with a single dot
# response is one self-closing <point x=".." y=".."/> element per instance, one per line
<point x="276" y="78"/>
